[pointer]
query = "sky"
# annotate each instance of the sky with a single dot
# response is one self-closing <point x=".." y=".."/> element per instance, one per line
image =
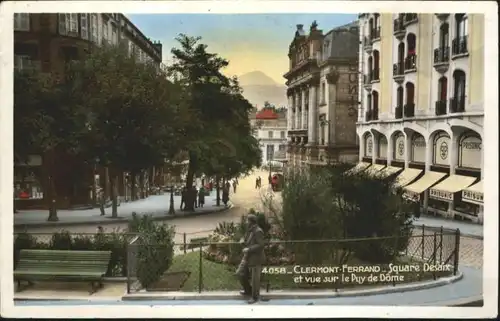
<point x="249" y="41"/>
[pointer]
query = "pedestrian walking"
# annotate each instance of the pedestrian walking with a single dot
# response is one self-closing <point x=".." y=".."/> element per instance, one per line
<point x="256" y="183"/>
<point x="235" y="183"/>
<point x="250" y="266"/>
<point x="269" y="178"/>
<point x="193" y="196"/>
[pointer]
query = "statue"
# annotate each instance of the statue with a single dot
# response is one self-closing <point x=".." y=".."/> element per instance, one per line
<point x="314" y="25"/>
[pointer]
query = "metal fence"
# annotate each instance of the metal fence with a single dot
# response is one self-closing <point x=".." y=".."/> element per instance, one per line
<point x="199" y="265"/>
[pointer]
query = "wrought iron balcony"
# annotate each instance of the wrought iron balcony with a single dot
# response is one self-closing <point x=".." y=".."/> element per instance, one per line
<point x="410" y="18"/>
<point x="459" y="46"/>
<point x="409" y="110"/>
<point x="367" y="44"/>
<point x="441" y="107"/>
<point x="457" y="104"/>
<point x="442" y="59"/>
<point x="399" y="29"/>
<point x="411" y="63"/>
<point x="375" y="34"/>
<point x="375" y="75"/>
<point x="398" y="72"/>
<point x="399" y="112"/>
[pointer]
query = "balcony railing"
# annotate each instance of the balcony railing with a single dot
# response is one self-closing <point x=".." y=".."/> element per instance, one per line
<point x="399" y="27"/>
<point x="457" y="104"/>
<point x="409" y="110"/>
<point x="367" y="78"/>
<point x="410" y="18"/>
<point x="375" y="34"/>
<point x="368" y="115"/>
<point x="459" y="46"/>
<point x="440" y="107"/>
<point x="398" y="69"/>
<point x="441" y="55"/>
<point x="411" y="63"/>
<point x="375" y="113"/>
<point x="367" y="43"/>
<point x="399" y="112"/>
<point x="375" y="75"/>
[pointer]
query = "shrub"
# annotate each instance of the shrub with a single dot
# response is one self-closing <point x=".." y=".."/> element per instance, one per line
<point x="154" y="250"/>
<point x="23" y="241"/>
<point x="60" y="241"/>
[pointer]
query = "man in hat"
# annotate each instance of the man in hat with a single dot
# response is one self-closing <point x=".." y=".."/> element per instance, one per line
<point x="253" y="257"/>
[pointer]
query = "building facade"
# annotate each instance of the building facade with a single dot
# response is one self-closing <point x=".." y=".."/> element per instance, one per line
<point x="270" y="129"/>
<point x="422" y="113"/>
<point x="322" y="92"/>
<point x="46" y="42"/>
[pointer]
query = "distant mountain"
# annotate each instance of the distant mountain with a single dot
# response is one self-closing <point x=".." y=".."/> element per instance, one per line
<point x="258" y="88"/>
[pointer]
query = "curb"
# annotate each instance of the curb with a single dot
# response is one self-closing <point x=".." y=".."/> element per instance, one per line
<point x="109" y="220"/>
<point x="432" y="227"/>
<point x="184" y="296"/>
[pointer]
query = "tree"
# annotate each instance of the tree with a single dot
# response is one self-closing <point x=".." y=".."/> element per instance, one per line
<point x="135" y="115"/>
<point x="46" y="122"/>
<point x="215" y="103"/>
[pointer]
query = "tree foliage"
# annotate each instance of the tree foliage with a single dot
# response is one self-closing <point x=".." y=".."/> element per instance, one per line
<point x="219" y="140"/>
<point x="331" y="203"/>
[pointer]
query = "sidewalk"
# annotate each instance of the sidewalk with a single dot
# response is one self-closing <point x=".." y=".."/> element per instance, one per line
<point x="466" y="229"/>
<point x="156" y="205"/>
<point x="470" y="286"/>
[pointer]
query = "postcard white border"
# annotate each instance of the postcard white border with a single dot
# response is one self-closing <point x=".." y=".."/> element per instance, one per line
<point x="490" y="266"/>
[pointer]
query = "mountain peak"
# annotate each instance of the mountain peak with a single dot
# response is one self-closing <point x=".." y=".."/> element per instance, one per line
<point x="256" y="78"/>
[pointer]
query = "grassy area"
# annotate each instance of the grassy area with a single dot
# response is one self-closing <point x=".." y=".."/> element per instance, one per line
<point x="220" y="277"/>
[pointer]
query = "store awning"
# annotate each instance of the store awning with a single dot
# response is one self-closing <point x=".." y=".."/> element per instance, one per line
<point x="389" y="170"/>
<point x="414" y="190"/>
<point x="473" y="194"/>
<point x="375" y="169"/>
<point x="451" y="185"/>
<point x="407" y="176"/>
<point x="358" y="168"/>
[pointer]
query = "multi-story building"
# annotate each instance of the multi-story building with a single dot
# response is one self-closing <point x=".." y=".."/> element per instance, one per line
<point x="46" y="42"/>
<point x="270" y="127"/>
<point x="422" y="112"/>
<point x="323" y="95"/>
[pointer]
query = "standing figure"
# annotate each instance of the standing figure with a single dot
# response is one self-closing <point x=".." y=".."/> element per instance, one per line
<point x="250" y="266"/>
<point x="256" y="183"/>
<point x="193" y="196"/>
<point x="201" y="196"/>
<point x="235" y="183"/>
<point x="183" y="197"/>
<point x="225" y="195"/>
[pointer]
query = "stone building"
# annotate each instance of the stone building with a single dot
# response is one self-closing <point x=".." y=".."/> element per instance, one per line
<point x="422" y="112"/>
<point x="322" y="83"/>
<point x="46" y="42"/>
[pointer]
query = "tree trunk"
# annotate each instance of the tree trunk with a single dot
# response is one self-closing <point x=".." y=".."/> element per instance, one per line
<point x="217" y="189"/>
<point x="133" y="190"/>
<point x="52" y="195"/>
<point x="189" y="205"/>
<point x="141" y="184"/>
<point x="107" y="185"/>
<point x="114" y="194"/>
<point x="95" y="199"/>
<point x="171" y="209"/>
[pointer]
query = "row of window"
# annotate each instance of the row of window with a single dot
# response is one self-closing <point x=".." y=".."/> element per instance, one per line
<point x="270" y="134"/>
<point x="86" y="26"/>
<point x="407" y="109"/>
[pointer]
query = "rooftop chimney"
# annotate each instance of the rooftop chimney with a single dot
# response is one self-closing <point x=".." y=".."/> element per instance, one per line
<point x="299" y="27"/>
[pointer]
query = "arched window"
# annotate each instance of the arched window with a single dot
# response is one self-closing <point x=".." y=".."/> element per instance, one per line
<point x="370" y="28"/>
<point x="458" y="101"/>
<point x="400" y="96"/>
<point x="369" y="100"/>
<point x="411" y="40"/>
<point x="459" y="83"/>
<point x="401" y="52"/>
<point x="443" y="89"/>
<point x="469" y="150"/>
<point x="375" y="100"/>
<point x="461" y="25"/>
<point x="370" y="67"/>
<point x="376" y="64"/>
<point x="444" y="35"/>
<point x="410" y="93"/>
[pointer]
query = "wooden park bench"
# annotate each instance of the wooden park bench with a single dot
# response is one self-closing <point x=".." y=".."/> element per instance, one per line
<point x="56" y="265"/>
<point x="194" y="243"/>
